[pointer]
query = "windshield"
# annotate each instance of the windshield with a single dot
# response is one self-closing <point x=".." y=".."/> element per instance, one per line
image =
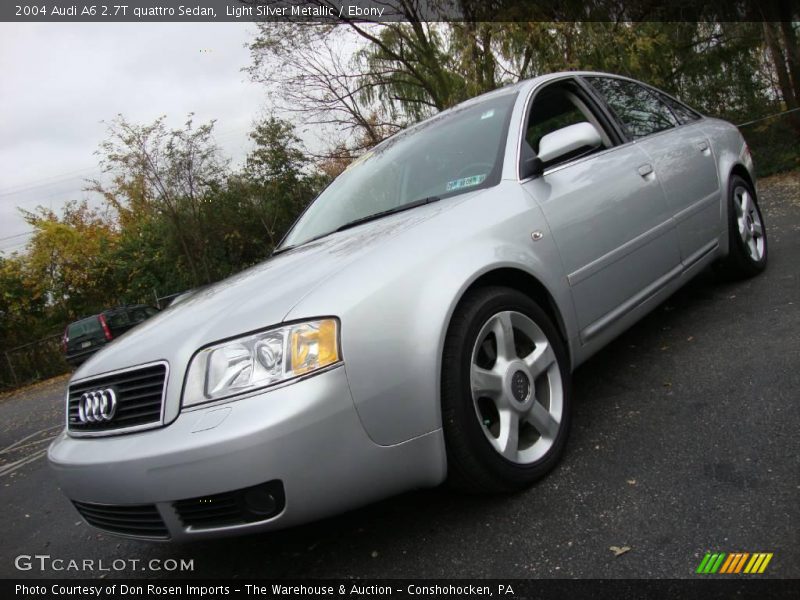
<point x="452" y="153"/>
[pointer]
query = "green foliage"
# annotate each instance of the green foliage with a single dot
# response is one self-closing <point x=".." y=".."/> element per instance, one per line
<point x="68" y="260"/>
<point x="174" y="218"/>
<point x="176" y="215"/>
<point x="403" y="71"/>
<point x="21" y="307"/>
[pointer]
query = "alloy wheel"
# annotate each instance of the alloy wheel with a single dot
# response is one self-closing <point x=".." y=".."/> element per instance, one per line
<point x="751" y="230"/>
<point x="516" y="387"/>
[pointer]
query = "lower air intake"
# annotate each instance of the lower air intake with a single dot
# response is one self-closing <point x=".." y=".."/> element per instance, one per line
<point x="137" y="520"/>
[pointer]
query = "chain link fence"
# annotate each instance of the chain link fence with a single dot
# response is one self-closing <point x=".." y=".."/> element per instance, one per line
<point x="32" y="362"/>
<point x="44" y="358"/>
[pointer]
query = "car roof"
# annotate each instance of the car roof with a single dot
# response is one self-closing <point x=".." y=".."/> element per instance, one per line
<point x="110" y="310"/>
<point x="519" y="86"/>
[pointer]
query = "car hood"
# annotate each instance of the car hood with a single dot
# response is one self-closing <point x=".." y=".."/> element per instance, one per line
<point x="254" y="299"/>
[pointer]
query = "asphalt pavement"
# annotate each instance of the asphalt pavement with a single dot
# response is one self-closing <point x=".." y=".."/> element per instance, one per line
<point x="685" y="440"/>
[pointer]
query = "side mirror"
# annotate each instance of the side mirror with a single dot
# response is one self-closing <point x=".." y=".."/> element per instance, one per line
<point x="568" y="139"/>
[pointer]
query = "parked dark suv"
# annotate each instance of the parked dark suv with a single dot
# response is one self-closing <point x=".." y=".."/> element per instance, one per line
<point x="86" y="336"/>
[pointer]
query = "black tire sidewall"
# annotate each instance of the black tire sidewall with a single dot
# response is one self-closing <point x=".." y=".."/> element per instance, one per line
<point x="463" y="432"/>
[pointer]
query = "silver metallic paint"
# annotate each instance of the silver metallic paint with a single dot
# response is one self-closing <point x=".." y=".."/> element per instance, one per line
<point x="615" y="243"/>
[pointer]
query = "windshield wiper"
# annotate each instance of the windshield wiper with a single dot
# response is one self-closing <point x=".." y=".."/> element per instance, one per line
<point x="391" y="211"/>
<point x="293" y="246"/>
<point x="359" y="221"/>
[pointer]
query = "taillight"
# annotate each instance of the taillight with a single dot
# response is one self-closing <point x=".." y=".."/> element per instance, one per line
<point x="106" y="330"/>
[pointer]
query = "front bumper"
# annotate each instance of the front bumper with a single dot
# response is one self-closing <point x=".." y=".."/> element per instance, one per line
<point x="307" y="435"/>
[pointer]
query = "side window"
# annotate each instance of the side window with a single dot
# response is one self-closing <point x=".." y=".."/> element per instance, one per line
<point x="681" y="111"/>
<point x="138" y="315"/>
<point x="641" y="112"/>
<point x="553" y="108"/>
<point x="117" y="319"/>
<point x="550" y="113"/>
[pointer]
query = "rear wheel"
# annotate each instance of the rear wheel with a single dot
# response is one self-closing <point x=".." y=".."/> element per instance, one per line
<point x="747" y="235"/>
<point x="505" y="392"/>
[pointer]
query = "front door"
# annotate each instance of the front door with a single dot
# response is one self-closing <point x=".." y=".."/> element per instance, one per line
<point x="606" y="210"/>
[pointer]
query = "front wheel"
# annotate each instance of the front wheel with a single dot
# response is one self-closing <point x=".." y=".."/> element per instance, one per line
<point x="505" y="392"/>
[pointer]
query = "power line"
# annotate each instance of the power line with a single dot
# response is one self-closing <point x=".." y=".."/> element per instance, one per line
<point x="59" y="175"/>
<point x="11" y="237"/>
<point x="38" y="186"/>
<point x="13" y="247"/>
<point x="16" y="244"/>
<point x="76" y="174"/>
<point x="768" y="117"/>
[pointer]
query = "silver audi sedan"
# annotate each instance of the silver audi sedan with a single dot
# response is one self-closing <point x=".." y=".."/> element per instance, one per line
<point x="420" y="321"/>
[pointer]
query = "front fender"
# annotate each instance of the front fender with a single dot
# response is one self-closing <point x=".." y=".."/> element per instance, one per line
<point x="395" y="305"/>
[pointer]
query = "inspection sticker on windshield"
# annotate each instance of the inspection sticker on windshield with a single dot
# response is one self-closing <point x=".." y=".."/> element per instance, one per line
<point x="457" y="184"/>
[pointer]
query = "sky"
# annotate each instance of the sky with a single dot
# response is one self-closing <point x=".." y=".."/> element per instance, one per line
<point x="59" y="81"/>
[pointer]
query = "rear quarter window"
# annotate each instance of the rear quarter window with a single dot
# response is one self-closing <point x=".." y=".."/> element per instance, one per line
<point x="683" y="113"/>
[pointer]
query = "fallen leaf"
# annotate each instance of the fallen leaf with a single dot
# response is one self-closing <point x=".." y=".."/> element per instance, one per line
<point x="631" y="482"/>
<point x="374" y="554"/>
<point x="620" y="551"/>
<point x="690" y="338"/>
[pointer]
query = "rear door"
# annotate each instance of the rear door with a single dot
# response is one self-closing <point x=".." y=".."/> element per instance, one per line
<point x="681" y="156"/>
<point x="606" y="211"/>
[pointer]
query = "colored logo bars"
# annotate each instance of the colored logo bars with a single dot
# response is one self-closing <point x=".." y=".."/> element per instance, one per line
<point x="734" y="562"/>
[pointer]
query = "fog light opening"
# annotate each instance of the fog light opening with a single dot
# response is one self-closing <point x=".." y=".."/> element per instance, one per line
<point x="260" y="502"/>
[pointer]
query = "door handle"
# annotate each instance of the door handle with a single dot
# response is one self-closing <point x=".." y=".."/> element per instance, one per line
<point x="703" y="146"/>
<point x="645" y="170"/>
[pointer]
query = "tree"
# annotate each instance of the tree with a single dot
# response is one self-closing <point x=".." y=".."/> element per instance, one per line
<point x="67" y="264"/>
<point x="21" y="307"/>
<point x="155" y="171"/>
<point x="280" y="179"/>
<point x="367" y="80"/>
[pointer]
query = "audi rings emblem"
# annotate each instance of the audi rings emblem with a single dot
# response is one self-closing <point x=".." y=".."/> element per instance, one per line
<point x="97" y="406"/>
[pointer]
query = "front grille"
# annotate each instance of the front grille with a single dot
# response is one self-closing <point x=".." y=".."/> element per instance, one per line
<point x="139" y="394"/>
<point x="248" y="505"/>
<point x="139" y="520"/>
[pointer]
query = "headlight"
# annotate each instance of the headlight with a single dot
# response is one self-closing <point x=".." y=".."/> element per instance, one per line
<point x="261" y="359"/>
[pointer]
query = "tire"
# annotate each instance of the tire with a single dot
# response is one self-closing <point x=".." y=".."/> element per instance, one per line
<point x="529" y="395"/>
<point x="747" y="234"/>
